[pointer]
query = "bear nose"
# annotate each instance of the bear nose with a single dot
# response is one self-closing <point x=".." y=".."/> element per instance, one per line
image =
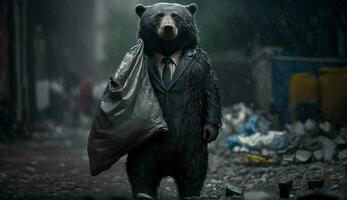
<point x="168" y="28"/>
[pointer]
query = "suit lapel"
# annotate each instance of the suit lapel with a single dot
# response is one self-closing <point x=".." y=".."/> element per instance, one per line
<point x="182" y="66"/>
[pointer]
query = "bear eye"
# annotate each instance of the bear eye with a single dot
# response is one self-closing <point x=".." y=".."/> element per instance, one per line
<point x="159" y="15"/>
<point x="174" y="15"/>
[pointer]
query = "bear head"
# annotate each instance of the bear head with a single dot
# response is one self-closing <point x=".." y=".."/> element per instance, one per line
<point x="167" y="27"/>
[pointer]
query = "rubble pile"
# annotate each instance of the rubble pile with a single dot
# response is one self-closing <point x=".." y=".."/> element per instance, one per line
<point x="261" y="159"/>
<point x="300" y="142"/>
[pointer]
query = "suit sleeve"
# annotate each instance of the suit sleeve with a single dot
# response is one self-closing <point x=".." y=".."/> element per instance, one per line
<point x="213" y="110"/>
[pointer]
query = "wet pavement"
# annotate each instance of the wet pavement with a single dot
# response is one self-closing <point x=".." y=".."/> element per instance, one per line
<point x="47" y="167"/>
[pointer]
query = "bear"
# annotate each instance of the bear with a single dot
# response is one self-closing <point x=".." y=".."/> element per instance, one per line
<point x="190" y="102"/>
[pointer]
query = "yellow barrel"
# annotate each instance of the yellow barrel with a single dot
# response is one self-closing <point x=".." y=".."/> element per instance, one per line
<point x="303" y="88"/>
<point x="333" y="85"/>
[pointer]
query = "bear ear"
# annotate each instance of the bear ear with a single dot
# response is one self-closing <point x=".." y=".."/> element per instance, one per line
<point x="140" y="9"/>
<point x="192" y="8"/>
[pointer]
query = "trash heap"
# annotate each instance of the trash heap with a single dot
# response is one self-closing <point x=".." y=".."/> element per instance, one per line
<point x="261" y="138"/>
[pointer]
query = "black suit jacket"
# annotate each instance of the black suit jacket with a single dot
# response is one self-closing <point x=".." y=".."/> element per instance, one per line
<point x="192" y="99"/>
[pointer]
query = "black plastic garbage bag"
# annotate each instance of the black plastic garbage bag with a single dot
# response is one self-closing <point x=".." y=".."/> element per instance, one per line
<point x="128" y="113"/>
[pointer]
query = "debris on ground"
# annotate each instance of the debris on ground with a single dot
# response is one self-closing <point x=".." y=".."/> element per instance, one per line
<point x="303" y="156"/>
<point x="309" y="141"/>
<point x="255" y="160"/>
<point x="233" y="191"/>
<point x="311" y="159"/>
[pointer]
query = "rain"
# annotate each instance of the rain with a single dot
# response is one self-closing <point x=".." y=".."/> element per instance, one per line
<point x="281" y="69"/>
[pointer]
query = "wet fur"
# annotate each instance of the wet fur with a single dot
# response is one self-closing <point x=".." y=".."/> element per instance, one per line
<point x="187" y="35"/>
<point x="181" y="153"/>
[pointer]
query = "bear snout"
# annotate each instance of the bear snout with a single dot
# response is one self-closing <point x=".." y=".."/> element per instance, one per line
<point x="167" y="28"/>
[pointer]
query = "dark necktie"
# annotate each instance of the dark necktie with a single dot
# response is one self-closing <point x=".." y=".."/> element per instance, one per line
<point x="166" y="76"/>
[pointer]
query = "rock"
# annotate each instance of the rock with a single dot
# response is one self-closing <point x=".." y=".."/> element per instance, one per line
<point x="30" y="169"/>
<point x="318" y="154"/>
<point x="327" y="129"/>
<point x="289" y="158"/>
<point x="342" y="154"/>
<point x="340" y="140"/>
<point x="312" y="144"/>
<point x="258" y="195"/>
<point x="299" y="128"/>
<point x="303" y="155"/>
<point x="311" y="126"/>
<point x="328" y="148"/>
<point x="231" y="190"/>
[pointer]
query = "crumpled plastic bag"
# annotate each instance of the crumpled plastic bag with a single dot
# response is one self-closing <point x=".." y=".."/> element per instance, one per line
<point x="274" y="140"/>
<point x="128" y="113"/>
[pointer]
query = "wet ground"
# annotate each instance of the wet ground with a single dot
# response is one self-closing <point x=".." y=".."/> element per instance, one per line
<point x="47" y="167"/>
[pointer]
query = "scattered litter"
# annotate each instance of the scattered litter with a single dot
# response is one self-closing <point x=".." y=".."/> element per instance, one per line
<point x="289" y="158"/>
<point x="238" y="116"/>
<point x="30" y="169"/>
<point x="333" y="187"/>
<point x="272" y="139"/>
<point x="332" y="178"/>
<point x="233" y="191"/>
<point x="255" y="160"/>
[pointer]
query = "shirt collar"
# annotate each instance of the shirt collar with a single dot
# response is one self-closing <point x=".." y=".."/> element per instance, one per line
<point x="174" y="57"/>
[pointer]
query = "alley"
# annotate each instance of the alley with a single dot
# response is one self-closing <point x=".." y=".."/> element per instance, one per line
<point x="263" y="82"/>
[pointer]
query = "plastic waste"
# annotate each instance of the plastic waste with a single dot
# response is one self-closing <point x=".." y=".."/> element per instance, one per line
<point x="275" y="140"/>
<point x="238" y="116"/>
<point x="255" y="160"/>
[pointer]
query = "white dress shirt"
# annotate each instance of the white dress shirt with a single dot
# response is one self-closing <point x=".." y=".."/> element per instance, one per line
<point x="160" y="66"/>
